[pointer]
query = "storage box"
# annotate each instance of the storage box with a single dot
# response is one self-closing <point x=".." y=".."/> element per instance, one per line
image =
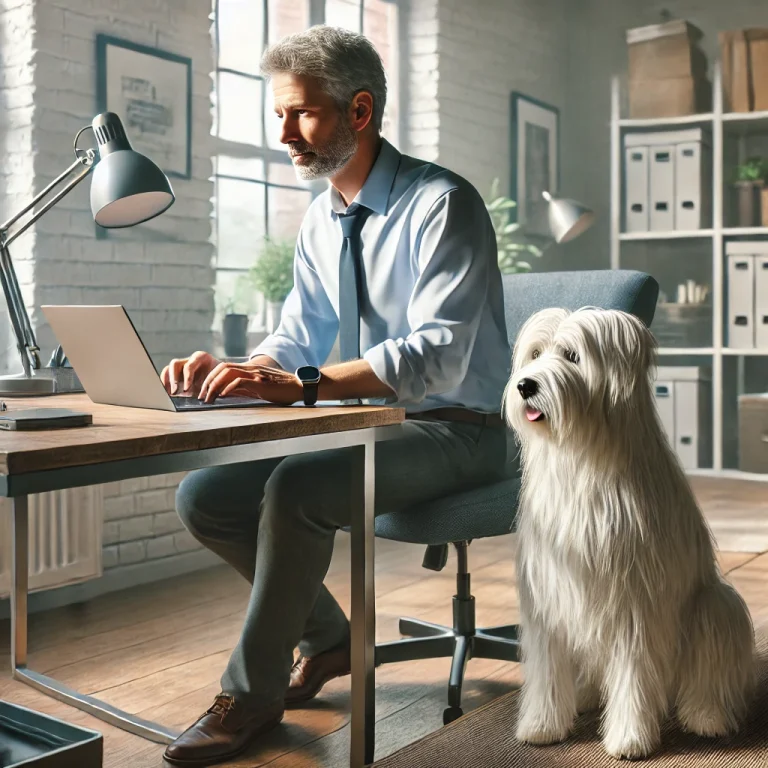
<point x="753" y="433"/>
<point x="662" y="51"/>
<point x="668" y="181"/>
<point x="747" y="294"/>
<point x="668" y="97"/>
<point x="744" y="55"/>
<point x="684" y="403"/>
<point x="667" y="71"/>
<point x="31" y="739"/>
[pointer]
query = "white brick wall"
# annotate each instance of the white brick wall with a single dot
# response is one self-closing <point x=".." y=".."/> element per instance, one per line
<point x="161" y="271"/>
<point x="466" y="59"/>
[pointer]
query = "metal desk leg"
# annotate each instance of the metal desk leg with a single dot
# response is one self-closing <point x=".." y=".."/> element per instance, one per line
<point x="363" y="618"/>
<point x="19" y="590"/>
<point x="19" y="584"/>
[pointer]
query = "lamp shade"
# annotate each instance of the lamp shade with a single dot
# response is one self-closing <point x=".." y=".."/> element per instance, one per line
<point x="127" y="188"/>
<point x="567" y="218"/>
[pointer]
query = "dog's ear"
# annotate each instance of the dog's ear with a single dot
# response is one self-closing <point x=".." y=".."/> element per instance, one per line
<point x="537" y="331"/>
<point x="630" y="350"/>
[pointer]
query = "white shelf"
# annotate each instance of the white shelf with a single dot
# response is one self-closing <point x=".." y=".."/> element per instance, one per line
<point x="686" y="350"/>
<point x="733" y="231"/>
<point x="734" y="125"/>
<point x="675" y="234"/>
<point x="660" y="122"/>
<point x="744" y="117"/>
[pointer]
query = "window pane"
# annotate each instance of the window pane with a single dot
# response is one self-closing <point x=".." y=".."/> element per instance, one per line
<point x="239" y="108"/>
<point x="343" y="13"/>
<point x="244" y="167"/>
<point x="235" y="293"/>
<point x="241" y="33"/>
<point x="287" y="17"/>
<point x="286" y="211"/>
<point x="240" y="222"/>
<point x="380" y="27"/>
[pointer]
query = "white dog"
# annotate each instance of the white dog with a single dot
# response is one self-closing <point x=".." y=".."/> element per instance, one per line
<point x="622" y="602"/>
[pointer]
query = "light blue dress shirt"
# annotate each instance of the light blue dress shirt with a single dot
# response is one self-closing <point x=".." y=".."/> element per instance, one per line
<point x="431" y="306"/>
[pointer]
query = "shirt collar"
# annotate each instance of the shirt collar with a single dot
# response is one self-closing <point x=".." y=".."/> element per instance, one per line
<point x="377" y="187"/>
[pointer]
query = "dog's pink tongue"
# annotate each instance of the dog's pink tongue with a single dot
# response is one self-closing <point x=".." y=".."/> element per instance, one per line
<point x="532" y="414"/>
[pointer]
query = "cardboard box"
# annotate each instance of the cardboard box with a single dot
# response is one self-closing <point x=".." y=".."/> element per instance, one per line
<point x="661" y="51"/>
<point x="753" y="433"/>
<point x="668" y="97"/>
<point x="744" y="55"/>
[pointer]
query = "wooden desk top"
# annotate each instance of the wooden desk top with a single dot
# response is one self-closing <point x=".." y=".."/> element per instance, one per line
<point x="127" y="433"/>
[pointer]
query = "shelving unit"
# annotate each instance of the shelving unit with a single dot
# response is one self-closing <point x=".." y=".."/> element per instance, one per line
<point x="738" y="124"/>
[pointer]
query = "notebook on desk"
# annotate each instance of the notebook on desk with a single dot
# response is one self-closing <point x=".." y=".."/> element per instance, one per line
<point x="113" y="364"/>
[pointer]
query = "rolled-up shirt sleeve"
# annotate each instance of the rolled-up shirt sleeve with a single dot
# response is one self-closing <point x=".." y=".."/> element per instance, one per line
<point x="455" y="251"/>
<point x="308" y="324"/>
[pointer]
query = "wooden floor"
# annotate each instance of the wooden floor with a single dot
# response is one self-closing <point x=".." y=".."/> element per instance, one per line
<point x="159" y="651"/>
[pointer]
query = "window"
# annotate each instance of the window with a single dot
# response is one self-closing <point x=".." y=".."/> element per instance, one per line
<point x="257" y="193"/>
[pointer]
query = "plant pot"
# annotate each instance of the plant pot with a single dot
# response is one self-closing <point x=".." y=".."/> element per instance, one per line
<point x="748" y="203"/>
<point x="235" y="333"/>
<point x="274" y="310"/>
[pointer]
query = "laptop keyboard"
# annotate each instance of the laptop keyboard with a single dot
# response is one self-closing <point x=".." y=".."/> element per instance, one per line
<point x="231" y="401"/>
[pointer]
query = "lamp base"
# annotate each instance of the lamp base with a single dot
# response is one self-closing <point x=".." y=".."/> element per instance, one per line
<point x="44" y="381"/>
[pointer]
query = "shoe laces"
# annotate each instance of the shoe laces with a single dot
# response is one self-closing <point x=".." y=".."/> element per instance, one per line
<point x="222" y="705"/>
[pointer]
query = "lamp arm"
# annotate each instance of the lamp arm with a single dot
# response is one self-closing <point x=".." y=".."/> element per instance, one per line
<point x="22" y="327"/>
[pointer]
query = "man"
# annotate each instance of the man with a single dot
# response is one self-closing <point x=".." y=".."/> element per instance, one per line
<point x="432" y="339"/>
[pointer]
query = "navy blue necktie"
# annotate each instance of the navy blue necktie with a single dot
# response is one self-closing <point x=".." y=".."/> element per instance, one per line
<point x="350" y="277"/>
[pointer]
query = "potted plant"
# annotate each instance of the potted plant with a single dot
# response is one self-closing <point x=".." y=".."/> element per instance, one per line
<point x="272" y="275"/>
<point x="749" y="181"/>
<point x="510" y="248"/>
<point x="235" y="308"/>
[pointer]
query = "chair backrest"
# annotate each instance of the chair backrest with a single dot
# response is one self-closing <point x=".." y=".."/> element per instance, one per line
<point x="528" y="292"/>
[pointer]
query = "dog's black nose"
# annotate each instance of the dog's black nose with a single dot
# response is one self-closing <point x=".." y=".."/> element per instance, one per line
<point x="527" y="388"/>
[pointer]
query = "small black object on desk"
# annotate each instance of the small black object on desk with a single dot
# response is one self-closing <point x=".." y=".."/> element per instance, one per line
<point x="42" y="418"/>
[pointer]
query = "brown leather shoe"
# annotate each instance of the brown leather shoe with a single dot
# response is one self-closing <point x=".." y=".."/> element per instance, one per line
<point x="223" y="732"/>
<point x="309" y="675"/>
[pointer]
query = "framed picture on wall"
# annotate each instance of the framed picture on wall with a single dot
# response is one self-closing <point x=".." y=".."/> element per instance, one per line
<point x="151" y="92"/>
<point x="535" y="161"/>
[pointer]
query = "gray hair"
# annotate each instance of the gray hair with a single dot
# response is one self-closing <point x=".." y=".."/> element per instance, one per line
<point x="343" y="61"/>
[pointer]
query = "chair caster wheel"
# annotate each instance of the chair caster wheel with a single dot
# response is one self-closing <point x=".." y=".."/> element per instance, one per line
<point x="451" y="714"/>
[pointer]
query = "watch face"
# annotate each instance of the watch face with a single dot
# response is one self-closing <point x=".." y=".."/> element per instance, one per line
<point x="308" y="373"/>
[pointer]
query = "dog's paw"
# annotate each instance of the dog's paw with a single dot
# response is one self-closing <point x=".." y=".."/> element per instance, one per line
<point x="533" y="730"/>
<point x="629" y="747"/>
<point x="709" y="724"/>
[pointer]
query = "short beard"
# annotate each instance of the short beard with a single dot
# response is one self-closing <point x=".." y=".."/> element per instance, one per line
<point x="327" y="159"/>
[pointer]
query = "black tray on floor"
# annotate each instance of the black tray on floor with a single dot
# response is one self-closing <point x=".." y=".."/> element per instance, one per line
<point x="31" y="739"/>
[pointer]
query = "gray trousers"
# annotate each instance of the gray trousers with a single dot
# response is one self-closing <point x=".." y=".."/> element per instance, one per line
<point x="274" y="521"/>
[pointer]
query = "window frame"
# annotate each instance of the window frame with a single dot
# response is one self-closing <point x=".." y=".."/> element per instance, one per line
<point x="268" y="155"/>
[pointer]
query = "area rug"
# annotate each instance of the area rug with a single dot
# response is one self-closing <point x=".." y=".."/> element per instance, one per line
<point x="485" y="739"/>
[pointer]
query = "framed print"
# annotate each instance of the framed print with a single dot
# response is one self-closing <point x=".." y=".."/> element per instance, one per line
<point x="151" y="92"/>
<point x="535" y="161"/>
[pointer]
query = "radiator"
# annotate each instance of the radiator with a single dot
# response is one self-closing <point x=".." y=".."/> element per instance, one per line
<point x="65" y="538"/>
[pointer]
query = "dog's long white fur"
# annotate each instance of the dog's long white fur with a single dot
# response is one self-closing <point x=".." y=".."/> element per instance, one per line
<point x="622" y="602"/>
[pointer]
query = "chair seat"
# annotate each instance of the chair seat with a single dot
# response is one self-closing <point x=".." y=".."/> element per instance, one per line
<point x="488" y="510"/>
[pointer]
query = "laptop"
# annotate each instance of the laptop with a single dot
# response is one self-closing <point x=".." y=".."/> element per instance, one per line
<point x="113" y="365"/>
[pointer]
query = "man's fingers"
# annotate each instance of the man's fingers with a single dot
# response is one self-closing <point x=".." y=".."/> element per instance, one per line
<point x="174" y="374"/>
<point x="231" y="387"/>
<point x="215" y="385"/>
<point x="212" y="374"/>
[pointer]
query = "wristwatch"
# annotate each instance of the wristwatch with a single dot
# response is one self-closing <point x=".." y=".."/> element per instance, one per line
<point x="309" y="376"/>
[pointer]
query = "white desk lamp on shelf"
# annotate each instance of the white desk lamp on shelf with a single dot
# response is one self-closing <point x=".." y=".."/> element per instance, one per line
<point x="127" y="189"/>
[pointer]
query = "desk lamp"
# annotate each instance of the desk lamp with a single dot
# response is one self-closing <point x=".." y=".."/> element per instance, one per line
<point x="567" y="218"/>
<point x="127" y="189"/>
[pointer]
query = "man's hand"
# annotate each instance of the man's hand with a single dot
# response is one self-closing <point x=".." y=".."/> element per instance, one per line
<point x="189" y="372"/>
<point x="251" y="379"/>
